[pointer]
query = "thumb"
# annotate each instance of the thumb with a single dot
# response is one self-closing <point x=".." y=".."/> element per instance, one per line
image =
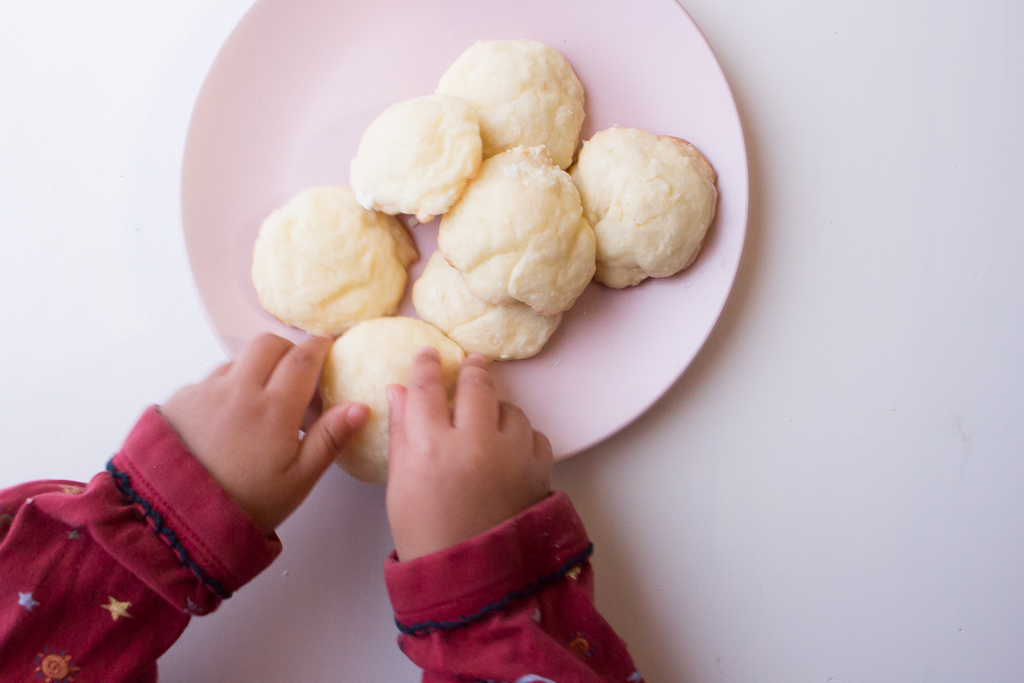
<point x="328" y="435"/>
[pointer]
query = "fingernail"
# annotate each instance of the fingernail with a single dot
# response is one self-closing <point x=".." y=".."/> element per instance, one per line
<point x="429" y="351"/>
<point x="389" y="392"/>
<point x="357" y="416"/>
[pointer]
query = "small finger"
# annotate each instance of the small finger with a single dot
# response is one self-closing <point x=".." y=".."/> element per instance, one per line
<point x="512" y="419"/>
<point x="543" y="461"/>
<point x="293" y="380"/>
<point x="476" y="398"/>
<point x="426" y="402"/>
<point x="396" y="394"/>
<point x="328" y="436"/>
<point x="542" y="449"/>
<point x="259" y="358"/>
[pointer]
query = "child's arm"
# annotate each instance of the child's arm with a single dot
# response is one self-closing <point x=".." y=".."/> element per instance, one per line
<point x="98" y="580"/>
<point x="491" y="579"/>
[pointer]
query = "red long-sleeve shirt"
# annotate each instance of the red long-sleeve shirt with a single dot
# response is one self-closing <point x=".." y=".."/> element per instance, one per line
<point x="98" y="580"/>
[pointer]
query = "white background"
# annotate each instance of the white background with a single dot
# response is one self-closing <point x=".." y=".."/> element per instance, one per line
<point x="831" y="493"/>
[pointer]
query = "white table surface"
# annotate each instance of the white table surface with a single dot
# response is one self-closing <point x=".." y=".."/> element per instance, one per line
<point x="831" y="493"/>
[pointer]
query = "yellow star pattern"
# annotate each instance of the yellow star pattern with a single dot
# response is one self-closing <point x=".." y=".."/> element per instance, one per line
<point x="574" y="573"/>
<point x="117" y="609"/>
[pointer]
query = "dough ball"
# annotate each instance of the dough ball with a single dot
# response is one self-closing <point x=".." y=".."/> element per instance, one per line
<point x="322" y="262"/>
<point x="518" y="233"/>
<point x="362" y="363"/>
<point x="650" y="198"/>
<point x="503" y="332"/>
<point x="417" y="157"/>
<point x="524" y="92"/>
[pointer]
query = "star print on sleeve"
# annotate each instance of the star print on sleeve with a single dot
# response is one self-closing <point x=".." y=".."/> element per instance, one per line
<point x="117" y="609"/>
<point x="96" y="575"/>
<point x="26" y="601"/>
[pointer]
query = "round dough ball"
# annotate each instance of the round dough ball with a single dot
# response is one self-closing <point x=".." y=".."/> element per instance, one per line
<point x="417" y="157"/>
<point x="362" y="363"/>
<point x="518" y="233"/>
<point x="524" y="92"/>
<point x="650" y="198"/>
<point x="322" y="262"/>
<point x="504" y="332"/>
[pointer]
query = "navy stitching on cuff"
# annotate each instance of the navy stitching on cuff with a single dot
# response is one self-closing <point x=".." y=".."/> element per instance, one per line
<point x="426" y="626"/>
<point x="124" y="485"/>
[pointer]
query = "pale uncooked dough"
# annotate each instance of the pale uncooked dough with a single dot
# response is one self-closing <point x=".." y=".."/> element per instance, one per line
<point x="498" y="332"/>
<point x="362" y="363"/>
<point x="518" y="233"/>
<point x="650" y="198"/>
<point x="417" y="157"/>
<point x="524" y="92"/>
<point x="322" y="262"/>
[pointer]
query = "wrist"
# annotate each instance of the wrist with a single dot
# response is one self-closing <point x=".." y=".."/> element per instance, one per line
<point x="429" y="536"/>
<point x="455" y="585"/>
<point x="155" y="471"/>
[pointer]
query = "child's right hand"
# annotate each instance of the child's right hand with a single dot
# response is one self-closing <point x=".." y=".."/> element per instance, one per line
<point x="242" y="423"/>
<point x="453" y="477"/>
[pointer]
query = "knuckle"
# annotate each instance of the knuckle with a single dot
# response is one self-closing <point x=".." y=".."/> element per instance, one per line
<point x="332" y="440"/>
<point x="477" y="378"/>
<point x="514" y="414"/>
<point x="423" y="451"/>
<point x="244" y="401"/>
<point x="423" y="380"/>
<point x="427" y="357"/>
<point x="267" y="339"/>
<point x="476" y="447"/>
<point x="302" y="357"/>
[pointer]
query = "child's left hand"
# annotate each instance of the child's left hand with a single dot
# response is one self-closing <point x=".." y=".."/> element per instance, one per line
<point x="242" y="423"/>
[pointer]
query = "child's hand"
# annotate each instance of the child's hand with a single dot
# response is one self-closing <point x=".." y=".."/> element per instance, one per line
<point x="451" y="479"/>
<point x="243" y="421"/>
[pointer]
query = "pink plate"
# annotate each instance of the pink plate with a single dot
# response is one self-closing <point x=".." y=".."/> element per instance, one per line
<point x="296" y="83"/>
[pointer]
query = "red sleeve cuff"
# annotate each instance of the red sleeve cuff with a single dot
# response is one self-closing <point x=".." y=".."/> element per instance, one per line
<point x="464" y="583"/>
<point x="210" y="533"/>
